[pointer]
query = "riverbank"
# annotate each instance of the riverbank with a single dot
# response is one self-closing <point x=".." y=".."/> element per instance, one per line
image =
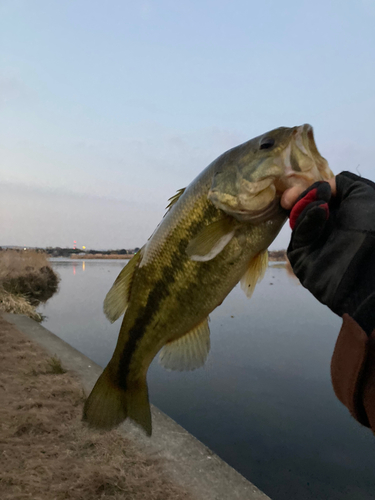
<point x="46" y="452"/>
<point x="186" y="464"/>
<point x="26" y="280"/>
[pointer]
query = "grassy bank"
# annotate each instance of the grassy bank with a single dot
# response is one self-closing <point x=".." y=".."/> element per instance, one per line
<point x="26" y="280"/>
<point x="48" y="453"/>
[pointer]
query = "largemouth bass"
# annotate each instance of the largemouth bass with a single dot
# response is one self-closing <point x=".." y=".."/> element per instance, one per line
<point x="216" y="232"/>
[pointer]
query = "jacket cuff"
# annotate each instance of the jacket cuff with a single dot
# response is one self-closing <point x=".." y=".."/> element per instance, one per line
<point x="353" y="371"/>
<point x="365" y="313"/>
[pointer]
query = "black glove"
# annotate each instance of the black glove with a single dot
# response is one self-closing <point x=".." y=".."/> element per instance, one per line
<point x="332" y="249"/>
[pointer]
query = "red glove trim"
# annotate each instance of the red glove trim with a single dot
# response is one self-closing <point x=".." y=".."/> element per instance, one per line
<point x="300" y="206"/>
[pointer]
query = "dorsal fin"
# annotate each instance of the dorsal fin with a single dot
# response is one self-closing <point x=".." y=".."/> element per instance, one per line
<point x="116" y="300"/>
<point x="189" y="351"/>
<point x="211" y="240"/>
<point x="254" y="273"/>
<point x="174" y="199"/>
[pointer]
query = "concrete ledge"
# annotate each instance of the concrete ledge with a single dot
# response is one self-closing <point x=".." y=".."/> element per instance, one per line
<point x="190" y="463"/>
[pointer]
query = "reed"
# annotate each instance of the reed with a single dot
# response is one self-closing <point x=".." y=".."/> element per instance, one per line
<point x="26" y="280"/>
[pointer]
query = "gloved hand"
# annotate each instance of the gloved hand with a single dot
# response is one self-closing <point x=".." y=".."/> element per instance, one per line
<point x="332" y="249"/>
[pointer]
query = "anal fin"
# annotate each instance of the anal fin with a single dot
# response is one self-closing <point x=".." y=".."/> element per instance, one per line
<point x="189" y="351"/>
<point x="254" y="273"/>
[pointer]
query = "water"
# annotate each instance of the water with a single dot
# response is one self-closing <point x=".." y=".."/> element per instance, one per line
<point x="264" y="400"/>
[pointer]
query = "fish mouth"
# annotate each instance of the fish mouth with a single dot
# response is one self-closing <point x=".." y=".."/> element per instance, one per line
<point x="302" y="161"/>
<point x="304" y="143"/>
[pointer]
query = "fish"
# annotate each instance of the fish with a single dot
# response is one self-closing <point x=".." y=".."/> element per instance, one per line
<point x="215" y="233"/>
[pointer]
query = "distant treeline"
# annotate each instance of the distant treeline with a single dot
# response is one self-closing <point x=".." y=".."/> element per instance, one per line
<point x="274" y="255"/>
<point x="67" y="252"/>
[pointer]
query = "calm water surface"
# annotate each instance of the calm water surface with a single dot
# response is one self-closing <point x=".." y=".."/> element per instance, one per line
<point x="264" y="400"/>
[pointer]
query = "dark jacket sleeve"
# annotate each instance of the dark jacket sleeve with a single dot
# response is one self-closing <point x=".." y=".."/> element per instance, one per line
<point x="353" y="371"/>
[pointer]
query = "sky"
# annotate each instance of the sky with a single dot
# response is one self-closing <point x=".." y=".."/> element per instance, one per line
<point x="108" y="108"/>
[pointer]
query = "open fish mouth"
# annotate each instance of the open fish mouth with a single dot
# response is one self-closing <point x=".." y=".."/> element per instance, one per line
<point x="301" y="160"/>
<point x="305" y="141"/>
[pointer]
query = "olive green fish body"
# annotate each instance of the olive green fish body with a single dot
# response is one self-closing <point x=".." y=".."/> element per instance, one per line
<point x="171" y="293"/>
<point x="215" y="234"/>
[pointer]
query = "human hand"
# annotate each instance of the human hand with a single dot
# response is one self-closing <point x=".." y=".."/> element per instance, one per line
<point x="291" y="195"/>
<point x="332" y="249"/>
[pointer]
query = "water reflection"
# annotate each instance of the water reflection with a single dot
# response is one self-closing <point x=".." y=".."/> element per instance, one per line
<point x="75" y="265"/>
<point x="264" y="400"/>
<point x="288" y="269"/>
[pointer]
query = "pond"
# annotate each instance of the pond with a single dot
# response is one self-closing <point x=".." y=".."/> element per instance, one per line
<point x="263" y="402"/>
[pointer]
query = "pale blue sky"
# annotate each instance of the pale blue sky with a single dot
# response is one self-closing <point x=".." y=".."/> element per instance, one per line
<point x="107" y="108"/>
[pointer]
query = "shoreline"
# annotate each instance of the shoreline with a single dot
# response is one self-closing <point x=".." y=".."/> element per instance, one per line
<point x="46" y="450"/>
<point x="192" y="467"/>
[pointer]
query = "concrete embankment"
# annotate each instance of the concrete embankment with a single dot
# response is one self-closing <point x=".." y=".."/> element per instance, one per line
<point x="190" y="464"/>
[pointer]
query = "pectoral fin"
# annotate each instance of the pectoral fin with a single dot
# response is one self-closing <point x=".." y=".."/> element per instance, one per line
<point x="117" y="298"/>
<point x="211" y="240"/>
<point x="254" y="273"/>
<point x="188" y="352"/>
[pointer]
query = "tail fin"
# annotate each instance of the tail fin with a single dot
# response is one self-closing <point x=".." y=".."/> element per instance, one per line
<point x="108" y="404"/>
<point x="139" y="406"/>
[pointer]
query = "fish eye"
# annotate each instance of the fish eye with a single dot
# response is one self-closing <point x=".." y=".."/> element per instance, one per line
<point x="267" y="143"/>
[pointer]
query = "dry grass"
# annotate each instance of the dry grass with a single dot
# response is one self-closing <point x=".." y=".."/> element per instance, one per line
<point x="26" y="279"/>
<point x="45" y="450"/>
<point x="89" y="256"/>
<point x="55" y="366"/>
<point x="15" y="263"/>
<point x="17" y="304"/>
